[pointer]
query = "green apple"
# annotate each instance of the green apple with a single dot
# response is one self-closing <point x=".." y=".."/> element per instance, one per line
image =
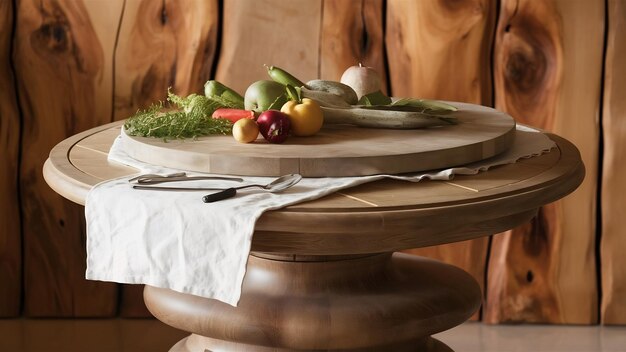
<point x="264" y="95"/>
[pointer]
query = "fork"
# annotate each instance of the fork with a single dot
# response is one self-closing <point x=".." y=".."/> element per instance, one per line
<point x="153" y="179"/>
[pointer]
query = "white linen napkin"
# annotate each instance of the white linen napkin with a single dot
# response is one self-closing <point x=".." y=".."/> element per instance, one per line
<point x="174" y="240"/>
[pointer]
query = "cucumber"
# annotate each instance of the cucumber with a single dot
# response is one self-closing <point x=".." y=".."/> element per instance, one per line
<point x="283" y="77"/>
<point x="216" y="89"/>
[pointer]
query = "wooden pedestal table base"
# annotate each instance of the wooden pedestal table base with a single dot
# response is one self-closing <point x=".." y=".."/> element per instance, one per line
<point x="378" y="302"/>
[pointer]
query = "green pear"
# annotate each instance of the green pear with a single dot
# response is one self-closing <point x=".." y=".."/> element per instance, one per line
<point x="264" y="95"/>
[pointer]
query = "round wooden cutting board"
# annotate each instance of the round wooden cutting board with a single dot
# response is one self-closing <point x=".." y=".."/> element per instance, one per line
<point x="339" y="150"/>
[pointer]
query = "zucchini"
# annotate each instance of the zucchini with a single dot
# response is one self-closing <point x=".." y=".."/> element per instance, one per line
<point x="325" y="99"/>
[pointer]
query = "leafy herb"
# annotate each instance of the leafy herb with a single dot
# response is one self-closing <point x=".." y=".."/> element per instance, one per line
<point x="191" y="120"/>
<point x="375" y="98"/>
<point x="426" y="105"/>
<point x="418" y="112"/>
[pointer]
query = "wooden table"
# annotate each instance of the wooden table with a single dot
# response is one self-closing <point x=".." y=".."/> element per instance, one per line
<point x="323" y="274"/>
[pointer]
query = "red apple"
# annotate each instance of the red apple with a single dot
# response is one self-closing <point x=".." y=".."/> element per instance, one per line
<point x="274" y="126"/>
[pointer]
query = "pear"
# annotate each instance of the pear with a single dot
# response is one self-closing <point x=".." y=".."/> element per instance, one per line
<point x="264" y="95"/>
<point x="364" y="80"/>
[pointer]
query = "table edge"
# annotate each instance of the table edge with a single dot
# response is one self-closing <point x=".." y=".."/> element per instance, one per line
<point x="281" y="230"/>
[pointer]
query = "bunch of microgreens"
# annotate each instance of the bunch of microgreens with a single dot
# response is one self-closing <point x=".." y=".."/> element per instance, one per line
<point x="190" y="119"/>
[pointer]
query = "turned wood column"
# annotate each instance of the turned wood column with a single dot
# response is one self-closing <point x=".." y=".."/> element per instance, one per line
<point x="380" y="302"/>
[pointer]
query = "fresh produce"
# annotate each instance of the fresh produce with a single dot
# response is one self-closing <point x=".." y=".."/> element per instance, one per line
<point x="425" y="105"/>
<point x="375" y="98"/>
<point x="305" y="115"/>
<point x="373" y="109"/>
<point x="324" y="98"/>
<point x="274" y="126"/>
<point x="364" y="80"/>
<point x="233" y="115"/>
<point x="245" y="130"/>
<point x="306" y="118"/>
<point x="356" y="100"/>
<point x="215" y="89"/>
<point x="265" y="95"/>
<point x="336" y="88"/>
<point x="193" y="119"/>
<point x="283" y="77"/>
<point x="193" y="102"/>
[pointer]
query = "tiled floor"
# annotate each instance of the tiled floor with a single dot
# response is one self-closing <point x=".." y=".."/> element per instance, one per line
<point x="136" y="335"/>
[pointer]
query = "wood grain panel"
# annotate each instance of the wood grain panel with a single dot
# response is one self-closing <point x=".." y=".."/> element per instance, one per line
<point x="64" y="74"/>
<point x="351" y="34"/>
<point x="271" y="32"/>
<point x="548" y="60"/>
<point x="441" y="49"/>
<point x="10" y="236"/>
<point x="443" y="59"/>
<point x="163" y="44"/>
<point x="613" y="244"/>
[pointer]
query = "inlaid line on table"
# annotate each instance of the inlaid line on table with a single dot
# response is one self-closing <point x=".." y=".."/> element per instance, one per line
<point x="358" y="199"/>
<point x="460" y="186"/>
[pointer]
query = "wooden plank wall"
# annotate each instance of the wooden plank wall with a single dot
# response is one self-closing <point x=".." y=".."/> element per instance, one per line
<point x="613" y="244"/>
<point x="286" y="35"/>
<point x="352" y="33"/>
<point x="160" y="44"/>
<point x="10" y="232"/>
<point x="450" y="62"/>
<point x="80" y="63"/>
<point x="163" y="44"/>
<point x="545" y="271"/>
<point x="64" y="83"/>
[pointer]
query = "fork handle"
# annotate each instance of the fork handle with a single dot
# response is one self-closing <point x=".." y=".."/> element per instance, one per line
<point x="225" y="194"/>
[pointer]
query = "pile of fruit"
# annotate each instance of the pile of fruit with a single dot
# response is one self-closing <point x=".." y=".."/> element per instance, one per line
<point x="285" y="106"/>
<point x="278" y="106"/>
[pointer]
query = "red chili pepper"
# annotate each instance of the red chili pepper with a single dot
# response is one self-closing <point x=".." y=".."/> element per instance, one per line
<point x="233" y="115"/>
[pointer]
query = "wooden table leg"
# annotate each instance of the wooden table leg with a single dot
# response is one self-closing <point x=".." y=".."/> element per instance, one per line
<point x="379" y="302"/>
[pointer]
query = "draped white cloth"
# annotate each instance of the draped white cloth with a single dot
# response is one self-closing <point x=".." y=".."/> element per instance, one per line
<point x="174" y="240"/>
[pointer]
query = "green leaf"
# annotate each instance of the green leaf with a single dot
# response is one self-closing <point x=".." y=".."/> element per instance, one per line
<point x="294" y="93"/>
<point x="364" y="101"/>
<point x="278" y="102"/>
<point x="375" y="98"/>
<point x="447" y="119"/>
<point x="426" y="105"/>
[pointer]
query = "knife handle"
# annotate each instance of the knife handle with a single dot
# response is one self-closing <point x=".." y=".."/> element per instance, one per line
<point x="225" y="194"/>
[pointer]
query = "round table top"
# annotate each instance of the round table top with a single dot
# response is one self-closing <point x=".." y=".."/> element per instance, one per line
<point x="339" y="150"/>
<point x="381" y="216"/>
